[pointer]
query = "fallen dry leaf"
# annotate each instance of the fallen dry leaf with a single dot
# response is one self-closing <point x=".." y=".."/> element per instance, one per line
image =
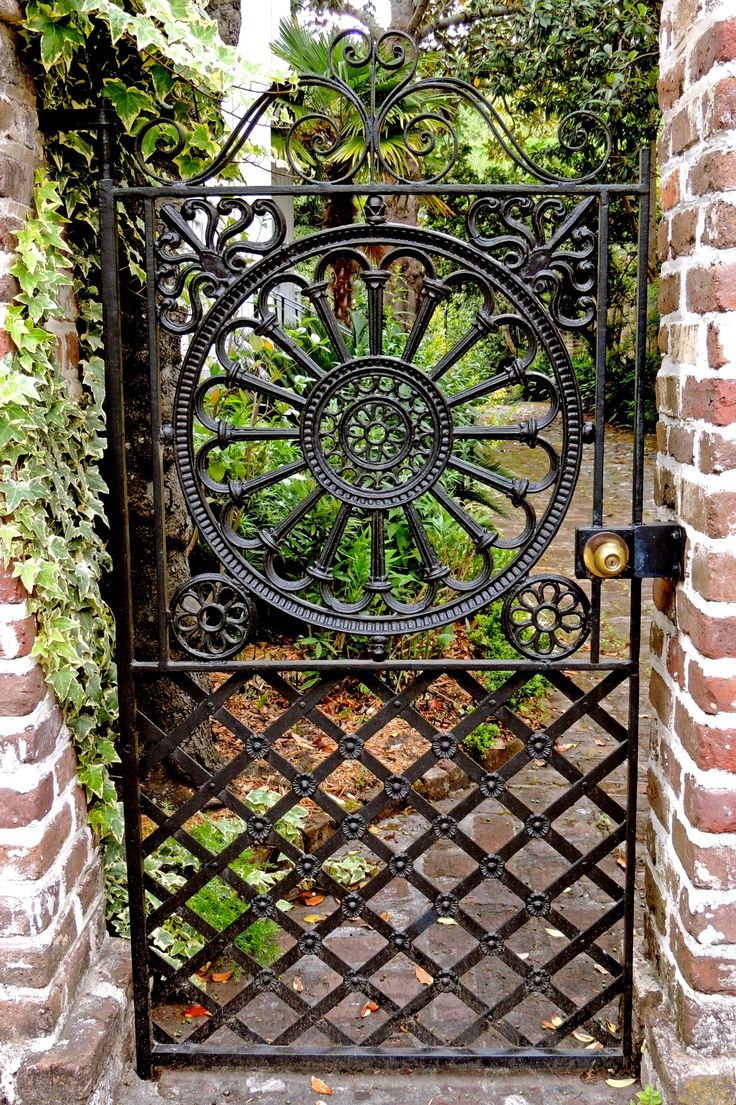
<point x="446" y="921"/>
<point x="601" y="744"/>
<point x="423" y="977"/>
<point x="320" y="1087"/>
<point x="368" y="1008"/>
<point x="555" y="934"/>
<point x="565" y="747"/>
<point x="221" y="976"/>
<point x="523" y="955"/>
<point x="620" y="1083"/>
<point x="601" y="970"/>
<point x="612" y="1028"/>
<point x="595" y="1046"/>
<point x="583" y="1037"/>
<point x="385" y="916"/>
<point x="196" y="1011"/>
<point x="403" y="1028"/>
<point x="313" y="918"/>
<point x="314" y="899"/>
<point x="297" y="984"/>
<point x="552" y="1023"/>
<point x="621" y="861"/>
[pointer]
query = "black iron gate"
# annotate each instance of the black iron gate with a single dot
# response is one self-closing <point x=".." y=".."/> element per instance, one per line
<point x="377" y="432"/>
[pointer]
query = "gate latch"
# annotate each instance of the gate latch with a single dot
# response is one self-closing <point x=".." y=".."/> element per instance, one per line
<point x="630" y="552"/>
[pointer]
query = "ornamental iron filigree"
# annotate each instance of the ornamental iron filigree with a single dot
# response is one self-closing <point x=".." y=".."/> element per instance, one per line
<point x="546" y="617"/>
<point x="369" y="117"/>
<point x="547" y="242"/>
<point x="211" y="617"/>
<point x="374" y="424"/>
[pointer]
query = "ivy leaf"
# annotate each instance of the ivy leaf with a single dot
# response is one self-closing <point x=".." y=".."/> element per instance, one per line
<point x="128" y="102"/>
<point x="58" y="38"/>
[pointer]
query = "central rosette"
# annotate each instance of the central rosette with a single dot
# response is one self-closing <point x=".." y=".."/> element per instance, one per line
<point x="376" y="432"/>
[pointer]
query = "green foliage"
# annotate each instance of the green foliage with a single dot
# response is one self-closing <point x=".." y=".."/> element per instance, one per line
<point x="51" y="438"/>
<point x="52" y="441"/>
<point x="647" y="1096"/>
<point x="487" y="636"/>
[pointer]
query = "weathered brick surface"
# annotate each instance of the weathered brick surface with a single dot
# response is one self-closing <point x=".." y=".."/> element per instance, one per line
<point x="691" y="842"/>
<point x="51" y="895"/>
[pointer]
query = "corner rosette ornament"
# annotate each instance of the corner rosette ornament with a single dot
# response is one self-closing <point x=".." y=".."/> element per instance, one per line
<point x="211" y="617"/>
<point x="546" y="617"/>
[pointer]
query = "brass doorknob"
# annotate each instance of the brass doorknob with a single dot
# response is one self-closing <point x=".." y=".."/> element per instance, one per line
<point x="606" y="555"/>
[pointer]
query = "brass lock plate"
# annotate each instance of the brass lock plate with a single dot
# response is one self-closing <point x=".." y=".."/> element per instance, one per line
<point x="654" y="552"/>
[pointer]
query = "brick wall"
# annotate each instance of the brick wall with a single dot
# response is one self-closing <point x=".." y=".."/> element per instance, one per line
<point x="691" y="876"/>
<point x="63" y="984"/>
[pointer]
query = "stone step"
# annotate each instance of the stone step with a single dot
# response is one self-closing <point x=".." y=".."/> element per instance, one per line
<point x="87" y="1063"/>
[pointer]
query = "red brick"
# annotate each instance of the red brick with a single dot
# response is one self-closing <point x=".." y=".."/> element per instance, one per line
<point x="19" y="808"/>
<point x="6" y="344"/>
<point x="676" y="661"/>
<point x="36" y="967"/>
<point x="663" y="339"/>
<point x="670" y="85"/>
<point x="668" y="393"/>
<point x="714" y="172"/>
<point x="716" y="918"/>
<point x="655" y="902"/>
<point x="709" y="809"/>
<point x="708" y="867"/>
<point x="711" y="512"/>
<point x="663" y="240"/>
<point x="717" y="356"/>
<point x="32" y="863"/>
<point x="717" y="453"/>
<point x="669" y="195"/>
<point x="24" y="633"/>
<point x="716" y="44"/>
<point x="707" y="746"/>
<point x="657" y="801"/>
<point x="34" y="743"/>
<point x="706" y="973"/>
<point x="656" y="639"/>
<point x="721" y="112"/>
<point x="713" y="635"/>
<point x="663" y="596"/>
<point x="665" y="490"/>
<point x="670" y="767"/>
<point x="29" y="916"/>
<point x="713" y="693"/>
<point x="680" y="444"/>
<point x="29" y="1018"/>
<point x="712" y="399"/>
<point x="660" y="696"/>
<point x="20" y="694"/>
<point x="712" y="288"/>
<point x="669" y="293"/>
<point x="682" y="231"/>
<point x="714" y="574"/>
<point x="9" y="286"/>
<point x="11" y="588"/>
<point x="683" y="131"/>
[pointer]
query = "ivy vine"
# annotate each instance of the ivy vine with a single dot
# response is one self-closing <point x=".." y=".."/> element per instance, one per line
<point x="136" y="54"/>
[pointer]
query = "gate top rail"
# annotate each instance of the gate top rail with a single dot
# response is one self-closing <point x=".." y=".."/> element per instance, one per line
<point x="332" y="127"/>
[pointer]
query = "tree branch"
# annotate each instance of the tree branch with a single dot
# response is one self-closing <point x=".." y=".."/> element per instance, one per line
<point x="367" y="20"/>
<point x="419" y="13"/>
<point x="463" y="19"/>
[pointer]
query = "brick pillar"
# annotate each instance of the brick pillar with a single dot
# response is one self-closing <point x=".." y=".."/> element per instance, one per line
<point x="64" y="1006"/>
<point x="691" y="871"/>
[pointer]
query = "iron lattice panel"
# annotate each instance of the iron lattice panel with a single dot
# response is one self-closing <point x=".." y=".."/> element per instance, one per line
<point x="508" y="860"/>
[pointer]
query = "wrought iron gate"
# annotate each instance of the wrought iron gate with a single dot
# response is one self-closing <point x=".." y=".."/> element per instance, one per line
<point x="340" y="391"/>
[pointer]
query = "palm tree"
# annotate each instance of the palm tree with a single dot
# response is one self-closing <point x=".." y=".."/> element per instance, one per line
<point x="326" y="135"/>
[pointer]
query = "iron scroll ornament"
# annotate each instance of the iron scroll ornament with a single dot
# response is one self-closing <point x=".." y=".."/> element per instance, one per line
<point x="370" y="93"/>
<point x="374" y="433"/>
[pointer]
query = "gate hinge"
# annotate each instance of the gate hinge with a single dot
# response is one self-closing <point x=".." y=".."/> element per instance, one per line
<point x="630" y="552"/>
